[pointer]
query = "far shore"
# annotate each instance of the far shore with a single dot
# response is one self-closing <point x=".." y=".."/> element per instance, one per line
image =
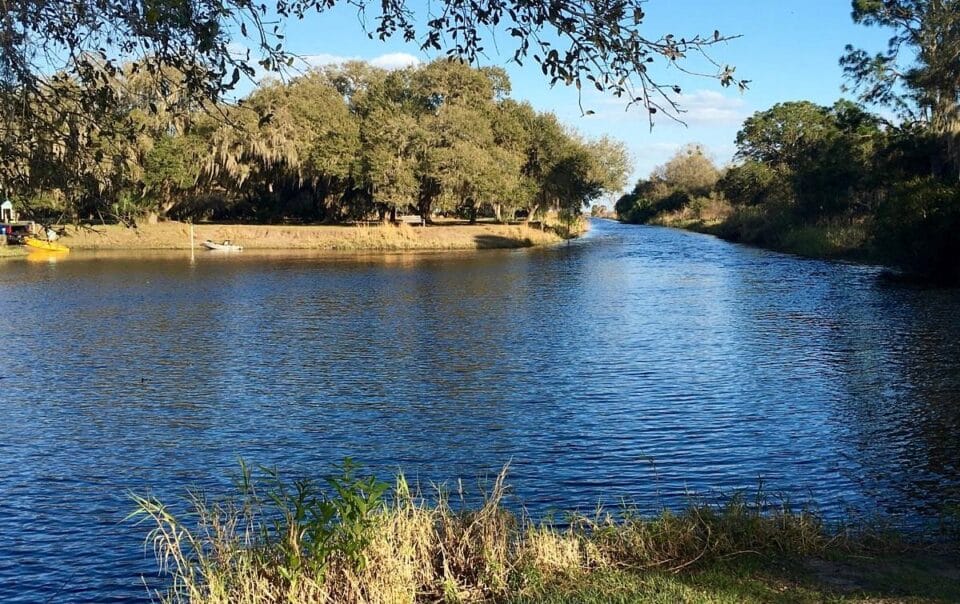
<point x="11" y="251"/>
<point x="377" y="237"/>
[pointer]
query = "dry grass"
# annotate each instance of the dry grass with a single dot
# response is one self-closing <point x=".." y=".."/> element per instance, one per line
<point x="379" y="237"/>
<point x="11" y="251"/>
<point x="702" y="212"/>
<point x="367" y="543"/>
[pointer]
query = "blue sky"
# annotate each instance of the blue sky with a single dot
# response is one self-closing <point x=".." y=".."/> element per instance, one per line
<point x="788" y="50"/>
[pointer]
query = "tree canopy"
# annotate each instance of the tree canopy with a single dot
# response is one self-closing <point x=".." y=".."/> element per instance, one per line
<point x="919" y="72"/>
<point x="337" y="143"/>
<point x="840" y="180"/>
<point x="576" y="42"/>
<point x="78" y="56"/>
<point x="686" y="176"/>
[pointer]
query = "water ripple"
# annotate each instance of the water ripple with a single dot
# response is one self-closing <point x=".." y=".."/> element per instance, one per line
<point x="640" y="363"/>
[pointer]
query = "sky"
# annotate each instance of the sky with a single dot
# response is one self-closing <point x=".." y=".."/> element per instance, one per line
<point x="788" y="49"/>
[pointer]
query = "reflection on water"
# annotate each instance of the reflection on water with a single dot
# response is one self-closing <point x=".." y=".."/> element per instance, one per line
<point x="45" y="256"/>
<point x="639" y="362"/>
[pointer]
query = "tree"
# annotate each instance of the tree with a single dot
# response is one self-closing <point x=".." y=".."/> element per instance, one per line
<point x="754" y="183"/>
<point x="575" y="42"/>
<point x="171" y="168"/>
<point x="689" y="171"/>
<point x="670" y="187"/>
<point x="819" y="160"/>
<point x="454" y="105"/>
<point x="611" y="163"/>
<point x="390" y="138"/>
<point x="918" y="74"/>
<point x="781" y="135"/>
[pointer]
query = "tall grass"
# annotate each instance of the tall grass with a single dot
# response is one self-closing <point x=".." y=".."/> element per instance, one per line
<point x="381" y="236"/>
<point x="360" y="540"/>
<point x="11" y="251"/>
<point x="386" y="236"/>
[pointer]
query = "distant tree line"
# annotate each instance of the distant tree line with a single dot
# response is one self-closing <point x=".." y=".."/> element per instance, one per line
<point x="339" y="143"/>
<point x="820" y="179"/>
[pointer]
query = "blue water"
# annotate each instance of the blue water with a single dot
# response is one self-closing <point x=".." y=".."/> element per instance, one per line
<point x="638" y="362"/>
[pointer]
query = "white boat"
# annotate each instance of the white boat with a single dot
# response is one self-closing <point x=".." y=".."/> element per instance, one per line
<point x="226" y="246"/>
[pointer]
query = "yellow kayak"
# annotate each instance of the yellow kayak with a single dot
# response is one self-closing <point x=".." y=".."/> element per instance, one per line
<point x="40" y="244"/>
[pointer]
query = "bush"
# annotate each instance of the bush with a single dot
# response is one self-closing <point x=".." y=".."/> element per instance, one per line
<point x="918" y="229"/>
<point x="753" y="183"/>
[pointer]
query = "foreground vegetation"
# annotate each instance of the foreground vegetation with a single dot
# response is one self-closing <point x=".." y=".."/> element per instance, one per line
<point x="361" y="541"/>
<point x="839" y="180"/>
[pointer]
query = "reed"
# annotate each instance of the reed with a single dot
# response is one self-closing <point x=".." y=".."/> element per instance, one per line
<point x="11" y="251"/>
<point x="360" y="540"/>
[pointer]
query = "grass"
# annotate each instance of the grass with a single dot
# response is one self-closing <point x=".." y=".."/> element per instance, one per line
<point x="362" y="237"/>
<point x="359" y="540"/>
<point x="826" y="240"/>
<point x="773" y="230"/>
<point x="405" y="237"/>
<point x="12" y="251"/>
<point x="755" y="579"/>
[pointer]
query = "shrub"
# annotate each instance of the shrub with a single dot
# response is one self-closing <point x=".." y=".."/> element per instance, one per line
<point x="918" y="229"/>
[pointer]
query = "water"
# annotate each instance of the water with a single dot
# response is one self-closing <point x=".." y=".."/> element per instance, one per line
<point x="639" y="362"/>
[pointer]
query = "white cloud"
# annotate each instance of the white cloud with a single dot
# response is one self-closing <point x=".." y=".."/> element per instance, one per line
<point x="699" y="108"/>
<point x="319" y="60"/>
<point x="709" y="107"/>
<point x="393" y="60"/>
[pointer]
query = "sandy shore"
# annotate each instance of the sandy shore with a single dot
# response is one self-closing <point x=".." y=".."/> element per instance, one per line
<point x="176" y="235"/>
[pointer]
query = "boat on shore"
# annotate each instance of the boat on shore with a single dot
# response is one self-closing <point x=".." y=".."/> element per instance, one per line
<point x="40" y="244"/>
<point x="226" y="246"/>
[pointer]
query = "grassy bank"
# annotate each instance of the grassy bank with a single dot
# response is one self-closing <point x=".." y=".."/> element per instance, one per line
<point x="362" y="541"/>
<point x="771" y="228"/>
<point x="176" y="235"/>
<point x="829" y="239"/>
<point x="11" y="251"/>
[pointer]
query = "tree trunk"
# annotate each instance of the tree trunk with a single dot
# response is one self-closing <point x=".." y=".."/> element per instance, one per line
<point x="424" y="208"/>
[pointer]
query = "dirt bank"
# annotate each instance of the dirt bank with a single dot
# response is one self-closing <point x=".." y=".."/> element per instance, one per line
<point x="176" y="235"/>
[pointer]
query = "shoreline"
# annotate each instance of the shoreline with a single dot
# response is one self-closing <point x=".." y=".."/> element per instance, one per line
<point x="391" y="544"/>
<point x="12" y="251"/>
<point x="380" y="237"/>
<point x="829" y="243"/>
<point x="812" y="242"/>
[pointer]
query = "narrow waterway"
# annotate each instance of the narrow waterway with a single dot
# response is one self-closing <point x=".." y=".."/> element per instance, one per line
<point x="639" y="363"/>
